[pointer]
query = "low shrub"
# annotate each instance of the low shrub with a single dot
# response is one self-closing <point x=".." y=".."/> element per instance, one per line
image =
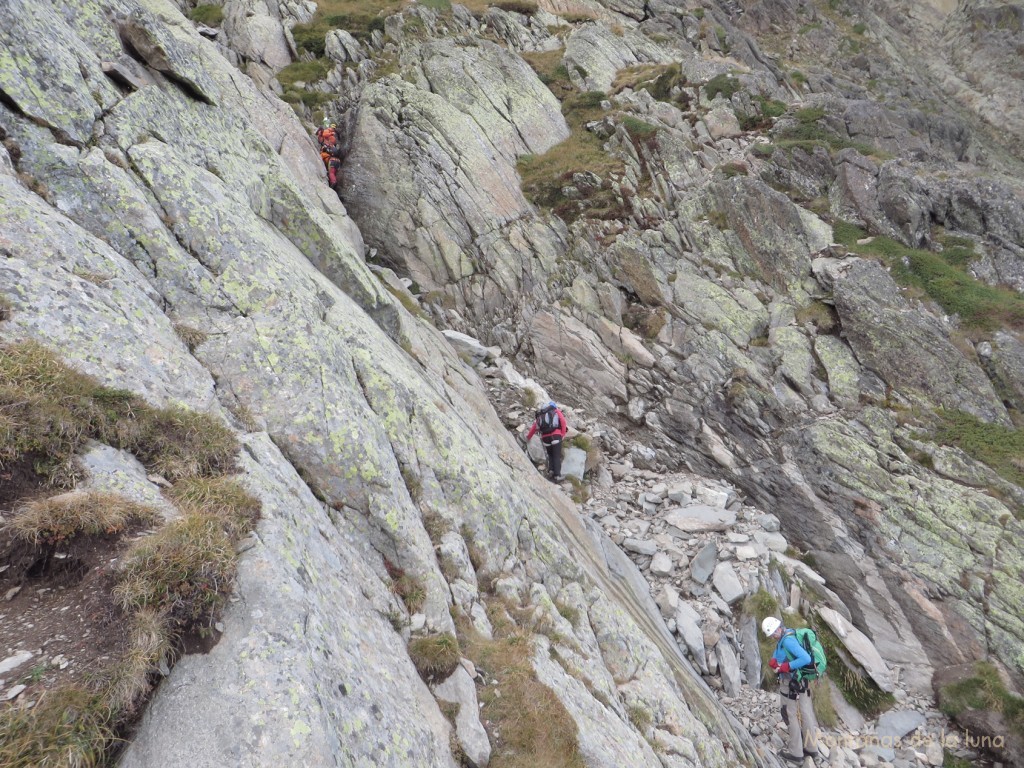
<point x="724" y="84"/>
<point x="208" y="14"/>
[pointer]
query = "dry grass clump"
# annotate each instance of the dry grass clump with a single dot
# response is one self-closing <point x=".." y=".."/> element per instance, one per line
<point x="170" y="582"/>
<point x="62" y="517"/>
<point x="435" y="656"/>
<point x="184" y="569"/>
<point x="71" y="727"/>
<point x="223" y="497"/>
<point x="48" y="410"/>
<point x="150" y="639"/>
<point x="527" y="723"/>
<point x="407" y="587"/>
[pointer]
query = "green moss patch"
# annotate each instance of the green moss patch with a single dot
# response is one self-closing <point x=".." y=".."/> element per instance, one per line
<point x="998" y="447"/>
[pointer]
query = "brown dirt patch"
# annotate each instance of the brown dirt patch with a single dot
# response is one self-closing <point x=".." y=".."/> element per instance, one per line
<point x="55" y="603"/>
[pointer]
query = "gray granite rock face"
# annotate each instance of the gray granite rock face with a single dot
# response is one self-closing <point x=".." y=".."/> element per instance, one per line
<point x="305" y="592"/>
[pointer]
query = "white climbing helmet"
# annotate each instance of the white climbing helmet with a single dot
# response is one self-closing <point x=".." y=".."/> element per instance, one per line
<point x="769" y="625"/>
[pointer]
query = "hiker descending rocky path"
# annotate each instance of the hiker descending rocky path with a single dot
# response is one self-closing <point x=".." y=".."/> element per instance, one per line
<point x="712" y="562"/>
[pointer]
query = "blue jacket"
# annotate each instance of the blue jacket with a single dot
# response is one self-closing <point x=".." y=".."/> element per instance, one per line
<point x="789" y="649"/>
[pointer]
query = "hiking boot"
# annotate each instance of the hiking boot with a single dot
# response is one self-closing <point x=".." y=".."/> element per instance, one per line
<point x="791" y="758"/>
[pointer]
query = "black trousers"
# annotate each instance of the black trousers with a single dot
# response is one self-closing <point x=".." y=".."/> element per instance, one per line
<point x="554" y="451"/>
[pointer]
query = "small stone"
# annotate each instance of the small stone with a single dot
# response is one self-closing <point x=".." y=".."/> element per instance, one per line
<point x="661" y="564"/>
<point x="416" y="622"/>
<point x="640" y="546"/>
<point x="9" y="595"/>
<point x="14" y="691"/>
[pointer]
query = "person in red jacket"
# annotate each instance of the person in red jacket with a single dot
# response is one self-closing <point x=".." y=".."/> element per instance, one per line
<point x="550" y="423"/>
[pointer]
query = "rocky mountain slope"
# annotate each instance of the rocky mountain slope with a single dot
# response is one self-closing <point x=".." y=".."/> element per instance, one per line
<point x="775" y="244"/>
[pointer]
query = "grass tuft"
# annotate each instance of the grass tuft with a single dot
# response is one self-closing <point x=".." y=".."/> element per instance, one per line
<point x="407" y="587"/>
<point x="435" y="656"/>
<point x="984" y="690"/>
<point x="63" y="517"/>
<point x="183" y="570"/>
<point x="70" y="727"/>
<point x="527" y="724"/>
<point x="208" y="14"/>
<point x="223" y="497"/>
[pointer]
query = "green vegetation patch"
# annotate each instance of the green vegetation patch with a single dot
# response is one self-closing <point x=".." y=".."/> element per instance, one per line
<point x="657" y="79"/>
<point x="304" y="72"/>
<point x="985" y="691"/>
<point x="358" y="17"/>
<point x="525" y="7"/>
<point x="998" y="447"/>
<point x="551" y="71"/>
<point x="724" y="84"/>
<point x="944" y="277"/>
<point x="208" y="14"/>
<point x="545" y="176"/>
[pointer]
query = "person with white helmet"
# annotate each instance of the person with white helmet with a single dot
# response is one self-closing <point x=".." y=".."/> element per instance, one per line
<point x="795" y="697"/>
<point x="551" y="423"/>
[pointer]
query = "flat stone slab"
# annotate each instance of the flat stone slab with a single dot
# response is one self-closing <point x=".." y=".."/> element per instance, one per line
<point x="703" y="564"/>
<point x="860" y="647"/>
<point x="699" y="518"/>
<point x="727" y="583"/>
<point x="15" y="661"/>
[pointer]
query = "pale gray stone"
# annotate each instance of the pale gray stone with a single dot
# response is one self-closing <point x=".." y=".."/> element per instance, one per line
<point x="727" y="583"/>
<point x="469" y="348"/>
<point x="640" y="546"/>
<point x="14" y="661"/>
<point x="574" y="462"/>
<point x="860" y="647"/>
<point x="661" y="564"/>
<point x="704" y="563"/>
<point x="459" y="689"/>
<point x="728" y="666"/>
<point x="688" y="626"/>
<point x="698" y="519"/>
<point x="667" y="600"/>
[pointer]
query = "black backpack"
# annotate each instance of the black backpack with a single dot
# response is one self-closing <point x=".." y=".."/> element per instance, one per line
<point x="547" y="420"/>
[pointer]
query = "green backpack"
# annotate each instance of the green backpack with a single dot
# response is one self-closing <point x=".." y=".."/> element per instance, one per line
<point x="808" y="638"/>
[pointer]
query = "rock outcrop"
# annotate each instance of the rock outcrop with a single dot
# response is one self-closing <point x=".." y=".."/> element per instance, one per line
<point x="699" y="299"/>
